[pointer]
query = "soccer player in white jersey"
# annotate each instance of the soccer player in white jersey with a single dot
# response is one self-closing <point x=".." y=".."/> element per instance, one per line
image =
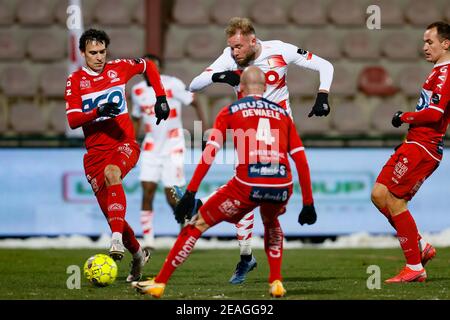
<point x="163" y="147"/>
<point x="273" y="58"/>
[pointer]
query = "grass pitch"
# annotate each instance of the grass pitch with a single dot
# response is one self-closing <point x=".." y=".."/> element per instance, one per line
<point x="309" y="274"/>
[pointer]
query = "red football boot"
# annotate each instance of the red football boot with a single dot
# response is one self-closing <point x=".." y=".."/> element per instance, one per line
<point x="408" y="275"/>
<point x="428" y="254"/>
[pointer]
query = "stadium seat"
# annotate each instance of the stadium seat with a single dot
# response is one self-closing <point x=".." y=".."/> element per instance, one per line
<point x="381" y="119"/>
<point x="302" y="82"/>
<point x="350" y="118"/>
<point x="376" y="81"/>
<point x="57" y="117"/>
<point x="18" y="81"/>
<point x="308" y="126"/>
<point x="3" y="120"/>
<point x="308" y="13"/>
<point x="6" y="13"/>
<point x="360" y="45"/>
<point x="323" y="44"/>
<point x="126" y="43"/>
<point x="411" y="79"/>
<point x="344" y="81"/>
<point x="190" y="12"/>
<point x="27" y="118"/>
<point x="174" y="39"/>
<point x="222" y="11"/>
<point x="264" y="12"/>
<point x="180" y="71"/>
<point x="35" y="12"/>
<point x="61" y="12"/>
<point x="52" y="80"/>
<point x="391" y="12"/>
<point x="112" y="13"/>
<point x="138" y="13"/>
<point x="46" y="46"/>
<point x="422" y="13"/>
<point x="11" y="46"/>
<point x="282" y="34"/>
<point x="347" y="13"/>
<point x="204" y="45"/>
<point x="399" y="45"/>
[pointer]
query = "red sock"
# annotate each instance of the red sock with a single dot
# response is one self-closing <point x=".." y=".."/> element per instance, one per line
<point x="129" y="239"/>
<point x="407" y="234"/>
<point x="273" y="245"/>
<point x="117" y="205"/>
<point x="180" y="251"/>
<point x="387" y="214"/>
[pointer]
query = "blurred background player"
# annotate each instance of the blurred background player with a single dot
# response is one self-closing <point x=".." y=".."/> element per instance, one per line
<point x="257" y="125"/>
<point x="418" y="156"/>
<point x="273" y="58"/>
<point x="95" y="100"/>
<point x="162" y="157"/>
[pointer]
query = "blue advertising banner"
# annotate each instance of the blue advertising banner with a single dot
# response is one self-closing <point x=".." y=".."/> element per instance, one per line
<point x="45" y="192"/>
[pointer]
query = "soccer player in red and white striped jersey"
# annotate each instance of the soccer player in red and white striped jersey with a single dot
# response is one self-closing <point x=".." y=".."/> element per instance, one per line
<point x="95" y="100"/>
<point x="264" y="135"/>
<point x="418" y="156"/>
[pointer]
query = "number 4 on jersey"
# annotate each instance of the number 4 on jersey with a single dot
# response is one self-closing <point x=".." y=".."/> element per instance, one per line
<point x="263" y="132"/>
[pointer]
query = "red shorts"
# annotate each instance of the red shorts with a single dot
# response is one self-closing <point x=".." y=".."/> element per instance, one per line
<point x="234" y="200"/>
<point x="124" y="155"/>
<point x="406" y="170"/>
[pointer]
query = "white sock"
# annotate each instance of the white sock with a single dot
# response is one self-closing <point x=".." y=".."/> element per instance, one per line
<point x="117" y="236"/>
<point x="415" y="267"/>
<point x="244" y="233"/>
<point x="147" y="227"/>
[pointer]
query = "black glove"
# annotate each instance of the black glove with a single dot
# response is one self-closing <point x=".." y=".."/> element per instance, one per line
<point x="108" y="109"/>
<point x="307" y="215"/>
<point x="162" y="109"/>
<point x="230" y="77"/>
<point x="185" y="206"/>
<point x="396" y="119"/>
<point x="321" y="106"/>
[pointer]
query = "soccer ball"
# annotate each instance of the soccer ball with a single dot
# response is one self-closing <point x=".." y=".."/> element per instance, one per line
<point x="100" y="270"/>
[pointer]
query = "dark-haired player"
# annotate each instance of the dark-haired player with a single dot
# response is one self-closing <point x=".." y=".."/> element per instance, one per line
<point x="95" y="100"/>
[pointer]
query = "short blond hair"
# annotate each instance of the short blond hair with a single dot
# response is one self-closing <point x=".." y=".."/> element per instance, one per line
<point x="244" y="25"/>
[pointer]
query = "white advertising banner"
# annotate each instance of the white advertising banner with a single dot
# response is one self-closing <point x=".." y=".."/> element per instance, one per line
<point x="45" y="192"/>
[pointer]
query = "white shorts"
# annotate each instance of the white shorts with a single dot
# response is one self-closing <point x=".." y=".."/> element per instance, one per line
<point x="168" y="169"/>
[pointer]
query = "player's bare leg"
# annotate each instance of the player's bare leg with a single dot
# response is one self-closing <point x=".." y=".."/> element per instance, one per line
<point x="380" y="196"/>
<point x="244" y="230"/>
<point x="147" y="214"/>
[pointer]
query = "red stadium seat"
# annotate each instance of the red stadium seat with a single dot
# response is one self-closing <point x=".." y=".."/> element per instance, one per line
<point x="391" y="12"/>
<point x="18" y="81"/>
<point x="381" y="119"/>
<point x="360" y="45"/>
<point x="190" y="12"/>
<point x="351" y="118"/>
<point x="6" y="13"/>
<point x="52" y="80"/>
<point x="400" y="46"/>
<point x="264" y="12"/>
<point x="46" y="46"/>
<point x="204" y="44"/>
<point x="308" y="13"/>
<point x="35" y="12"/>
<point x="347" y="13"/>
<point x="222" y="11"/>
<point x="411" y="79"/>
<point x="422" y="13"/>
<point x="112" y="13"/>
<point x="323" y="44"/>
<point x="376" y="81"/>
<point x="11" y="47"/>
<point x="174" y="48"/>
<point x="27" y="118"/>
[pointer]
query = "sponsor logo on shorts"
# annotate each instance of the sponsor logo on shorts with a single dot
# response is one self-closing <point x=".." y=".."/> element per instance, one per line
<point x="115" y="207"/>
<point x="276" y="195"/>
<point x="228" y="208"/>
<point x="400" y="169"/>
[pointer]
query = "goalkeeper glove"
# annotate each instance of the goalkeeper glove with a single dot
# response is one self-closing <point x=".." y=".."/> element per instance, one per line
<point x="185" y="206"/>
<point x="230" y="77"/>
<point x="321" y="106"/>
<point x="108" y="109"/>
<point x="162" y="109"/>
<point x="396" y="119"/>
<point x="307" y="215"/>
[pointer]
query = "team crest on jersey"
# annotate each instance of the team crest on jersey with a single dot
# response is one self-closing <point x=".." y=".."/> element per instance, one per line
<point x="85" y="84"/>
<point x="112" y="74"/>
